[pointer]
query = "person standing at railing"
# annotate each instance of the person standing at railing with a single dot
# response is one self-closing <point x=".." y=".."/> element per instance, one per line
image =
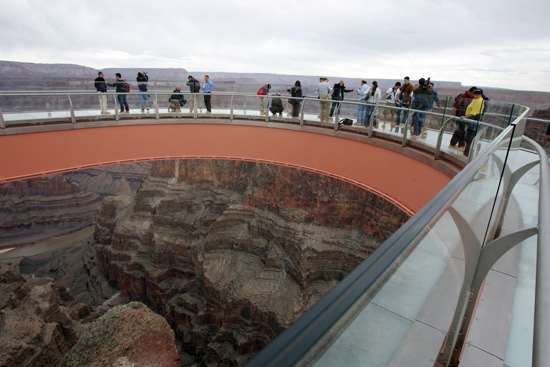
<point x="194" y="87"/>
<point x="362" y="94"/>
<point x="422" y="101"/>
<point x="404" y="101"/>
<point x="101" y="88"/>
<point x="324" y="92"/>
<point x="338" y="92"/>
<point x="296" y="92"/>
<point x="460" y="104"/>
<point x="207" y="88"/>
<point x="373" y="98"/>
<point x="390" y="97"/>
<point x="142" y="80"/>
<point x="473" y="112"/>
<point x="263" y="92"/>
<point x="122" y="88"/>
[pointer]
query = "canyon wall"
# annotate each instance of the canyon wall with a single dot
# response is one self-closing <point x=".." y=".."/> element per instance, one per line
<point x="232" y="252"/>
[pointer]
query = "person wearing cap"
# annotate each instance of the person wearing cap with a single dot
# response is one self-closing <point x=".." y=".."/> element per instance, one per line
<point x="473" y="112"/>
<point x="362" y="95"/>
<point x="324" y="91"/>
<point x="405" y="99"/>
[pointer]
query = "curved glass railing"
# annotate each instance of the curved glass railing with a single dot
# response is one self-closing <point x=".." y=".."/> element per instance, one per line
<point x="416" y="300"/>
<point x="22" y="108"/>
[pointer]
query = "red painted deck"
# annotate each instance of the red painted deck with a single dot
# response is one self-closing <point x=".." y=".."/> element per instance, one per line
<point x="404" y="180"/>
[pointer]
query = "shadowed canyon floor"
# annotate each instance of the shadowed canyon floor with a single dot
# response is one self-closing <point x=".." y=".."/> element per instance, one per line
<point x="229" y="253"/>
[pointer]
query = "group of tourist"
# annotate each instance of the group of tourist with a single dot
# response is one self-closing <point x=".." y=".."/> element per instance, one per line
<point x="176" y="100"/>
<point x="401" y="98"/>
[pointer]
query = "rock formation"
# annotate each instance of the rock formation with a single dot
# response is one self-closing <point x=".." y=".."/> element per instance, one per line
<point x="231" y="252"/>
<point x="41" y="207"/>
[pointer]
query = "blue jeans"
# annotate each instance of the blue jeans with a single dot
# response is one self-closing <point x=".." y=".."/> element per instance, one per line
<point x="144" y="101"/>
<point x="418" y="121"/>
<point x="123" y="102"/>
<point x="361" y="113"/>
<point x="368" y="114"/>
<point x="405" y="114"/>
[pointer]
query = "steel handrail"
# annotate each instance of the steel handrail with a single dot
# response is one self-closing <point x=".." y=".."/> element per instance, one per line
<point x="234" y="94"/>
<point x="541" y="337"/>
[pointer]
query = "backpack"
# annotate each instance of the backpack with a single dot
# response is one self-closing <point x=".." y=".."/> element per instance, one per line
<point x="261" y="91"/>
<point x="125" y="87"/>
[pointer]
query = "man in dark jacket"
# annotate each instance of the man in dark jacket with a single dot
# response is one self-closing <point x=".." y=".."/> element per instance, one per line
<point x="194" y="87"/>
<point x="121" y="87"/>
<point x="142" y="80"/>
<point x="338" y="92"/>
<point x="422" y="101"/>
<point x="101" y="88"/>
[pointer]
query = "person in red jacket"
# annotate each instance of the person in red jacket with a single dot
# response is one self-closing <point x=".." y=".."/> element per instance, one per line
<point x="461" y="103"/>
<point x="262" y="93"/>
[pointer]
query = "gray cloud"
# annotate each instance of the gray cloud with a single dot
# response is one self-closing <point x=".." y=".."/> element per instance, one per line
<point x="500" y="43"/>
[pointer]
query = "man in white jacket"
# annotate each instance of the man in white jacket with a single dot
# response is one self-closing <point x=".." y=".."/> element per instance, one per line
<point x="362" y="94"/>
<point x="373" y="98"/>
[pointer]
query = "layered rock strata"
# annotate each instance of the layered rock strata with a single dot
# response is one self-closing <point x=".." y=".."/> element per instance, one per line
<point x="232" y="252"/>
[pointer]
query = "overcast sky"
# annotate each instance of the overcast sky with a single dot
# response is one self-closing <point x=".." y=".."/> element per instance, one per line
<point x="501" y="43"/>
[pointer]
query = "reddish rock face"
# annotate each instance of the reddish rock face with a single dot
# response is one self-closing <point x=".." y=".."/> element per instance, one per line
<point x="231" y="253"/>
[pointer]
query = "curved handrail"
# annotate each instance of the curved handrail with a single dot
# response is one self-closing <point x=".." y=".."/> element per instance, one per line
<point x="290" y="347"/>
<point x="541" y="339"/>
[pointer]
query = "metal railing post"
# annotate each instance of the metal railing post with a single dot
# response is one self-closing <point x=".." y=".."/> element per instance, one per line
<point x="195" y="106"/>
<point x="73" y="117"/>
<point x="443" y="125"/>
<point x="337" y="117"/>
<point x="268" y="99"/>
<point x="157" y="111"/>
<point x="116" y="106"/>
<point x="2" y="122"/>
<point x="302" y="112"/>
<point x="406" y="127"/>
<point x="231" y="109"/>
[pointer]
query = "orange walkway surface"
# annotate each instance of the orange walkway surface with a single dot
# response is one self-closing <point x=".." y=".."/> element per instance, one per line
<point x="403" y="180"/>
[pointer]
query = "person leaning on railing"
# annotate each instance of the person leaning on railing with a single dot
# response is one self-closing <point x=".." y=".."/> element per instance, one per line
<point x="390" y="97"/>
<point x="121" y="87"/>
<point x="296" y="92"/>
<point x="142" y="80"/>
<point x="473" y="112"/>
<point x="338" y="92"/>
<point x="422" y="101"/>
<point x="404" y="101"/>
<point x="262" y="92"/>
<point x="101" y="88"/>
